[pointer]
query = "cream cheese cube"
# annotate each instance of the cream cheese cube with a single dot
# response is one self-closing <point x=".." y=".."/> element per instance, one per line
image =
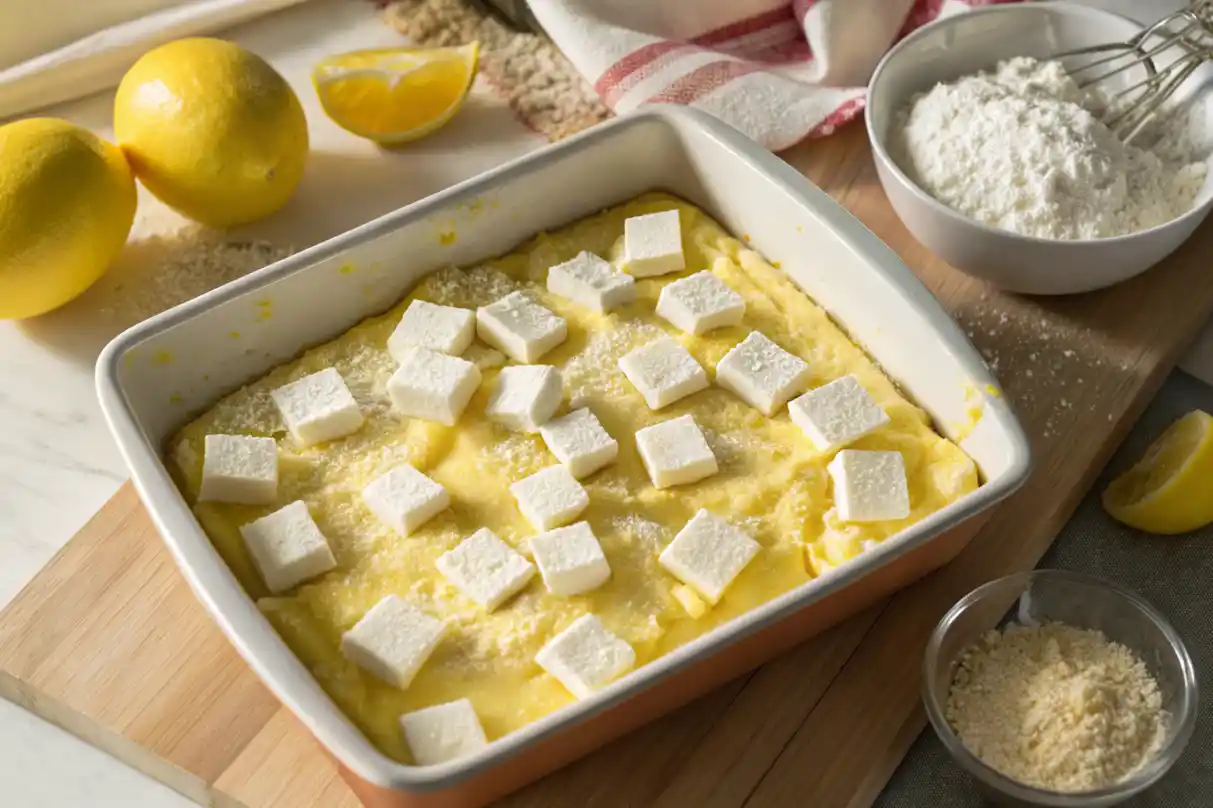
<point x="707" y="554"/>
<point x="652" y="244"/>
<point x="550" y="498"/>
<point x="836" y="414"/>
<point x="570" y="559"/>
<point x="869" y="486"/>
<point x="239" y="468"/>
<point x="404" y="499"/>
<point x="433" y="386"/>
<point x="443" y="732"/>
<point x="393" y="640"/>
<point x="580" y="442"/>
<point x="592" y="282"/>
<point x="486" y="569"/>
<point x="700" y="303"/>
<point x="762" y="374"/>
<point x="586" y="657"/>
<point x="664" y="372"/>
<point x="287" y="547"/>
<point x="525" y="397"/>
<point x="317" y="408"/>
<point x="520" y="328"/>
<point x="675" y="452"/>
<point x="445" y="329"/>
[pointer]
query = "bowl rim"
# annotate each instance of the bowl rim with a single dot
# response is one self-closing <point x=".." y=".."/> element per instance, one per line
<point x="877" y="144"/>
<point x="1147" y="775"/>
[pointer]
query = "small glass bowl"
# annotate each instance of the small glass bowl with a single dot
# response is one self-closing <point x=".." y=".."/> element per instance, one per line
<point x="1084" y="602"/>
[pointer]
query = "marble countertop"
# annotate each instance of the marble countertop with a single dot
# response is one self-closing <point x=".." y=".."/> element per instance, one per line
<point x="57" y="462"/>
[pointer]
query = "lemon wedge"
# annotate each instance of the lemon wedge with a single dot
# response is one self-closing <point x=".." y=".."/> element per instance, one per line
<point x="1170" y="490"/>
<point x="398" y="94"/>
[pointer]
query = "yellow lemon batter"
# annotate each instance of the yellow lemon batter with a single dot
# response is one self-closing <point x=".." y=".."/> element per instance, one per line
<point x="772" y="483"/>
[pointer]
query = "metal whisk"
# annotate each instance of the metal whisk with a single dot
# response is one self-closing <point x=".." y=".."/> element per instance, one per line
<point x="1185" y="37"/>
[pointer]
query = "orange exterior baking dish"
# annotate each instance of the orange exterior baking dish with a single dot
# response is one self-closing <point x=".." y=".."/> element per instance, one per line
<point x="824" y="250"/>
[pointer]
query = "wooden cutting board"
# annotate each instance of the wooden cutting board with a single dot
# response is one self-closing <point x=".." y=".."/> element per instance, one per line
<point x="108" y="642"/>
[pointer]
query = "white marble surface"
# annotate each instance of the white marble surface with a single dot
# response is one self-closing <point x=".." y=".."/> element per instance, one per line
<point x="57" y="463"/>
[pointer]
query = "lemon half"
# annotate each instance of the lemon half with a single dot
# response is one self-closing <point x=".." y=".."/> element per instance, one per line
<point x="395" y="95"/>
<point x="1170" y="490"/>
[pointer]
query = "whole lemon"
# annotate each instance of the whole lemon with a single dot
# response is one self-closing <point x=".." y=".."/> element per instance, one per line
<point x="212" y="130"/>
<point x="67" y="200"/>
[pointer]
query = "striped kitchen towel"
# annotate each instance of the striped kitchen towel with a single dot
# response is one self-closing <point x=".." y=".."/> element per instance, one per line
<point x="778" y="70"/>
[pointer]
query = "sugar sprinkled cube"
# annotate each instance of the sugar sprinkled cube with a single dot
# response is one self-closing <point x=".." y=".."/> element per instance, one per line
<point x="520" y="327"/>
<point x="586" y="657"/>
<point x="445" y="329"/>
<point x="652" y="244"/>
<point x="550" y="498"/>
<point x="591" y="282"/>
<point x="443" y="732"/>
<point x="317" y="408"/>
<point x="404" y="499"/>
<point x="700" y="303"/>
<point x="761" y="373"/>
<point x="393" y="640"/>
<point x="239" y="468"/>
<point x="707" y="554"/>
<point x="836" y="414"/>
<point x="525" y="397"/>
<point x="570" y="559"/>
<point x="675" y="452"/>
<point x="486" y="569"/>
<point x="580" y="442"/>
<point x="869" y="486"/>
<point x="287" y="547"/>
<point x="664" y="372"/>
<point x="433" y="386"/>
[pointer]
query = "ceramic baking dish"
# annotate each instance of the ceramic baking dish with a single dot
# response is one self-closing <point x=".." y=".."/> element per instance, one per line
<point x="321" y="292"/>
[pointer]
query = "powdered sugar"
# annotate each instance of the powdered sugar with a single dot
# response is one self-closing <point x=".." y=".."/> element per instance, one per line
<point x="1022" y="149"/>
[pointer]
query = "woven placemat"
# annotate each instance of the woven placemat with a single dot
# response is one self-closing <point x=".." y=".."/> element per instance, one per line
<point x="531" y="73"/>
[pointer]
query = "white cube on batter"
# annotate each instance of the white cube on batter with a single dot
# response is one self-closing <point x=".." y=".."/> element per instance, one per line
<point x="580" y="442"/>
<point x="664" y="372"/>
<point x="586" y="657"/>
<point x="239" y="468"/>
<point x="404" y="499"/>
<point x="869" y="486"/>
<point x="525" y="397"/>
<point x="762" y="374"/>
<point x="443" y="732"/>
<point x="445" y="329"/>
<point x="570" y="559"/>
<point x="287" y="547"/>
<point x="592" y="282"/>
<point x="486" y="569"/>
<point x="652" y="244"/>
<point x="317" y="408"/>
<point x="550" y="498"/>
<point x="433" y="386"/>
<point x="393" y="640"/>
<point x="675" y="452"/>
<point x="520" y="328"/>
<point x="836" y="414"/>
<point x="707" y="554"/>
<point x="700" y="303"/>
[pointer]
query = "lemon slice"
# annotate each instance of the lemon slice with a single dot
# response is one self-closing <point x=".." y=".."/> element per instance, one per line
<point x="1170" y="490"/>
<point x="398" y="94"/>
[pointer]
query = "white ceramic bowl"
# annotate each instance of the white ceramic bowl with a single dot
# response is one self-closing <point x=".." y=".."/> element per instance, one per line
<point x="975" y="41"/>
